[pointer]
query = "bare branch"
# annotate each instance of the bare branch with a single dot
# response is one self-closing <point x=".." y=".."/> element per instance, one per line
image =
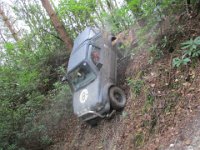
<point x="2" y="37"/>
<point x="8" y="24"/>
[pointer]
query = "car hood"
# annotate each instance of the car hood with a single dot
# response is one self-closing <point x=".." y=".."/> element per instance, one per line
<point x="87" y="98"/>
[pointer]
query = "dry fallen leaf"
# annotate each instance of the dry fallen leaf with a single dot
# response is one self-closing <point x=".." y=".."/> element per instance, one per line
<point x="153" y="85"/>
<point x="186" y="84"/>
<point x="192" y="74"/>
<point x="187" y="142"/>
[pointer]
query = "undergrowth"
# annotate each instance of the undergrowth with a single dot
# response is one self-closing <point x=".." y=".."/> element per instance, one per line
<point x="174" y="58"/>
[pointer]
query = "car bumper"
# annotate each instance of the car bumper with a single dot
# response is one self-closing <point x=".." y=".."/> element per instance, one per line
<point x="91" y="115"/>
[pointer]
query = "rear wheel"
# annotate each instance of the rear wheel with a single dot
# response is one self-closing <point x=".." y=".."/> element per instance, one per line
<point x="117" y="98"/>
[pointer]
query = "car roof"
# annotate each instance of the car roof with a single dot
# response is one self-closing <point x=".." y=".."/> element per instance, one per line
<point x="77" y="57"/>
<point x="79" y="51"/>
<point x="87" y="34"/>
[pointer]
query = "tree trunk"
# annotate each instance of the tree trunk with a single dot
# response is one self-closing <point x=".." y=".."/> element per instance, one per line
<point x="57" y="24"/>
<point x="9" y="25"/>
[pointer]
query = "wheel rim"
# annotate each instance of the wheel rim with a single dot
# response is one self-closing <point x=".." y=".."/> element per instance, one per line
<point x="118" y="96"/>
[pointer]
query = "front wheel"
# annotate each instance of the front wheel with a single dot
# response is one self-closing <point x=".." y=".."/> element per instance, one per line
<point x="117" y="98"/>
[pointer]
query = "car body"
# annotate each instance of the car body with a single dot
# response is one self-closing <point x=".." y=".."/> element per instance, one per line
<point x="91" y="72"/>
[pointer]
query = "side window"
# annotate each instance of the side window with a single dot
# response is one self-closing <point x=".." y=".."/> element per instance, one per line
<point x="95" y="55"/>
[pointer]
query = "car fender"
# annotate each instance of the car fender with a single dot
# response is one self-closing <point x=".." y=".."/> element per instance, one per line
<point x="105" y="94"/>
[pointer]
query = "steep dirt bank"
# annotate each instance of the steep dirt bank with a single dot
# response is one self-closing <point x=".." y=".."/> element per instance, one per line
<point x="133" y="128"/>
<point x="109" y="134"/>
<point x="162" y="110"/>
<point x="183" y="136"/>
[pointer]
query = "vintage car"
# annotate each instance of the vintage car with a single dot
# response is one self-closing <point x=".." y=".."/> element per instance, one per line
<point x="92" y="76"/>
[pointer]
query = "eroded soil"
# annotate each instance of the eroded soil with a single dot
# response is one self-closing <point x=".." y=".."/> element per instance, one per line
<point x="162" y="111"/>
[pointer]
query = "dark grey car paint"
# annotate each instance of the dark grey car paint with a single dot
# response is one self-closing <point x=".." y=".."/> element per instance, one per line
<point x="97" y="97"/>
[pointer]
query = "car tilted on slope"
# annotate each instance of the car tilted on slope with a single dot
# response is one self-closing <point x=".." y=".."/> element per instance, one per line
<point x="92" y="75"/>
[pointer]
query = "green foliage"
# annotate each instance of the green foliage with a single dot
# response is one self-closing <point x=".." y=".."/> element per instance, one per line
<point x="149" y="9"/>
<point x="103" y="15"/>
<point x="25" y="93"/>
<point x="191" y="50"/>
<point x="177" y="62"/>
<point x="118" y="20"/>
<point x="164" y="42"/>
<point x="79" y="14"/>
<point x="135" y="85"/>
<point x="192" y="47"/>
<point x="148" y="102"/>
<point x="149" y="14"/>
<point x="156" y="53"/>
<point x="29" y="69"/>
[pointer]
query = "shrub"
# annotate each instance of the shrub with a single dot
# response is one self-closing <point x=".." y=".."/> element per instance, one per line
<point x="191" y="50"/>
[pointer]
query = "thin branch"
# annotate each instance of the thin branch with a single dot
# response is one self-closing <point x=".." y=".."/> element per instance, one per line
<point x="2" y="37"/>
<point x="52" y="34"/>
<point x="9" y="25"/>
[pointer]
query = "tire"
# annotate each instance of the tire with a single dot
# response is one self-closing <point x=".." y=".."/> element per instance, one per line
<point x="117" y="98"/>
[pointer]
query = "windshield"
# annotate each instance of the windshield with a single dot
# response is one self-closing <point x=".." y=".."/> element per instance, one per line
<point x="81" y="76"/>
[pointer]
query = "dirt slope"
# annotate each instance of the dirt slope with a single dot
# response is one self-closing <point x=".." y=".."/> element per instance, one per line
<point x="188" y="135"/>
<point x="131" y="128"/>
<point x="162" y="110"/>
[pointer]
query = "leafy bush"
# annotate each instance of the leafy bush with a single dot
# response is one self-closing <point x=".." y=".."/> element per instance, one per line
<point x="118" y="20"/>
<point x="29" y="95"/>
<point x="192" y="47"/>
<point x="191" y="50"/>
<point x="177" y="62"/>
